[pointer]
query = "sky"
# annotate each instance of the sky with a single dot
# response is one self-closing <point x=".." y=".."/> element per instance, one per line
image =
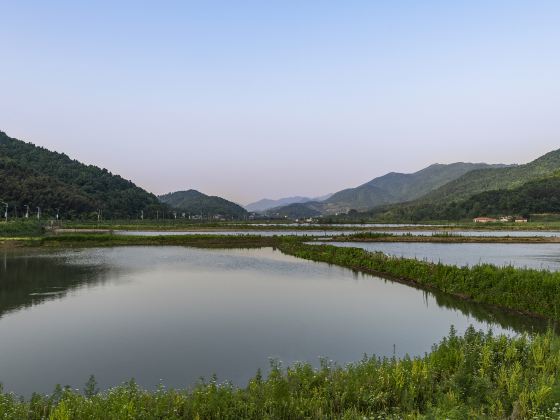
<point x="254" y="99"/>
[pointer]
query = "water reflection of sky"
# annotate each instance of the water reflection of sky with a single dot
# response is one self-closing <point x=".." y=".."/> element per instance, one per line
<point x="538" y="256"/>
<point x="178" y="313"/>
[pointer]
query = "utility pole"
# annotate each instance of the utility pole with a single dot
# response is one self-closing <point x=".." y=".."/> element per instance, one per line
<point x="157" y="214"/>
<point x="6" y="211"/>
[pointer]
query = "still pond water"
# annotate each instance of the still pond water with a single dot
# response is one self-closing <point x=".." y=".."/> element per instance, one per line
<point x="327" y="232"/>
<point x="537" y="256"/>
<point x="173" y="314"/>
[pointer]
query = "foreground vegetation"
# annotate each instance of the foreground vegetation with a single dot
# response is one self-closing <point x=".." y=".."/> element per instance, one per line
<point x="473" y="376"/>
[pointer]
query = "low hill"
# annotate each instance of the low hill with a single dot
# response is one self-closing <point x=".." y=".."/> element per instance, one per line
<point x="391" y="188"/>
<point x="197" y="203"/>
<point x="297" y="210"/>
<point x="34" y="176"/>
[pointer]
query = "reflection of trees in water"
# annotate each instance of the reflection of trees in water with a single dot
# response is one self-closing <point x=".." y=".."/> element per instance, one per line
<point x="27" y="280"/>
<point x="484" y="313"/>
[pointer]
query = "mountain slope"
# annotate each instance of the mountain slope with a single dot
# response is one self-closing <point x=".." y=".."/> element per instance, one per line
<point x="387" y="189"/>
<point x="34" y="176"/>
<point x="398" y="187"/>
<point x="196" y="203"/>
<point x="266" y="204"/>
<point x="495" y="178"/>
<point x="539" y="196"/>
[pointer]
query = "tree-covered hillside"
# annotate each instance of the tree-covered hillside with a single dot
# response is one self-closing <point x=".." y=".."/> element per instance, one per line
<point x="490" y="179"/>
<point x="34" y="176"/>
<point x="196" y="203"/>
<point x="540" y="196"/>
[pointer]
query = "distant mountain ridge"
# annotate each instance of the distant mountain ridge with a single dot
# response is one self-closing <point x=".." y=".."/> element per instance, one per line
<point x="196" y="203"/>
<point x="266" y="204"/>
<point x="391" y="188"/>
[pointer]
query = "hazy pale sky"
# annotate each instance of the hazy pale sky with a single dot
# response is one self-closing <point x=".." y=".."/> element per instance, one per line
<point x="253" y="99"/>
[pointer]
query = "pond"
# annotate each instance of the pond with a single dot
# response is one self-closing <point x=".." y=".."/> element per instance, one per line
<point x="173" y="314"/>
<point x="538" y="256"/>
<point x="327" y="232"/>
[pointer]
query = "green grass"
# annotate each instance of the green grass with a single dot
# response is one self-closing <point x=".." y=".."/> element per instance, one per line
<point x="23" y="228"/>
<point x="477" y="375"/>
<point x="199" y="240"/>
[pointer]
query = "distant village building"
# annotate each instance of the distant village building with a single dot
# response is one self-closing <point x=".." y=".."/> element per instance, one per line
<point x="484" y="220"/>
<point x="520" y="220"/>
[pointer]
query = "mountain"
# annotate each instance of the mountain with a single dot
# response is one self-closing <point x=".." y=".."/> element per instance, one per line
<point x="514" y="189"/>
<point x="533" y="197"/>
<point x="489" y="179"/>
<point x="266" y="204"/>
<point x="391" y="188"/>
<point x="197" y="203"/>
<point x="34" y="176"/>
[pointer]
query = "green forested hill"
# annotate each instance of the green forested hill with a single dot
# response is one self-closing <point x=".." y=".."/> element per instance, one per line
<point x="37" y="177"/>
<point x="540" y="196"/>
<point x="494" y="179"/>
<point x="197" y="203"/>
